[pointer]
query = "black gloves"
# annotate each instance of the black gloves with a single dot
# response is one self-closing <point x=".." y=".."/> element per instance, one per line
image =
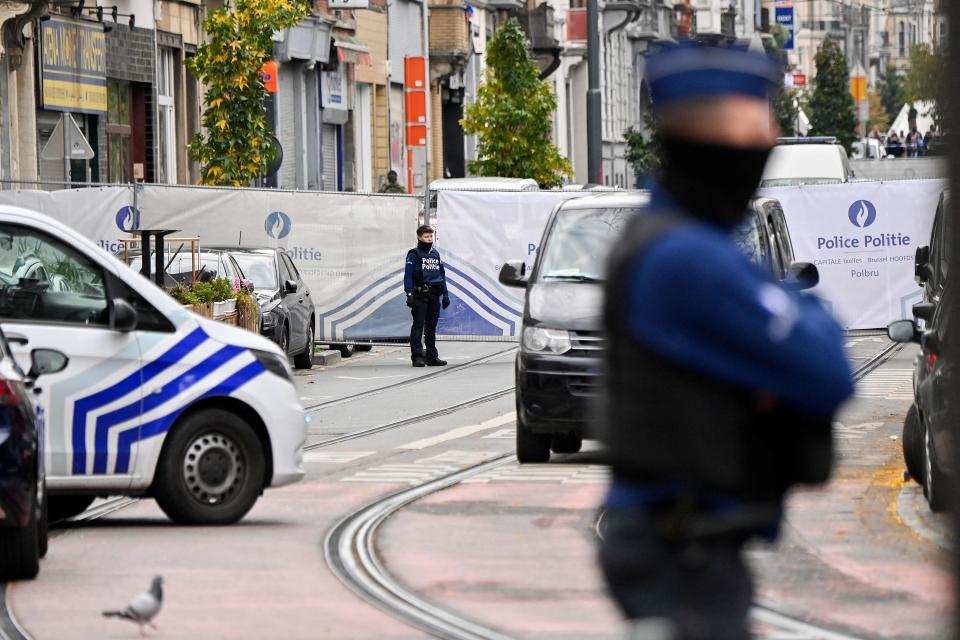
<point x="445" y="302"/>
<point x="410" y="300"/>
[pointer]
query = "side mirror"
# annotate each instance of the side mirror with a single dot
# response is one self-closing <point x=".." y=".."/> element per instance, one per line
<point x="290" y="286"/>
<point x="44" y="361"/>
<point x="513" y="274"/>
<point x="123" y="317"/>
<point x="924" y="311"/>
<point x="921" y="264"/>
<point x="903" y="331"/>
<point x="800" y="276"/>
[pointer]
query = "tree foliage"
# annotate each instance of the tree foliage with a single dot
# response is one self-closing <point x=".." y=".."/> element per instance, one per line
<point x="832" y="110"/>
<point x="513" y="115"/>
<point x="642" y="152"/>
<point x="923" y="77"/>
<point x="234" y="147"/>
<point x="893" y="94"/>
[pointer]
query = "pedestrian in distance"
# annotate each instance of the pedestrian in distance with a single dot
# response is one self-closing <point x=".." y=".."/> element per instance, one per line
<point x="425" y="283"/>
<point x="720" y="384"/>
<point x="391" y="185"/>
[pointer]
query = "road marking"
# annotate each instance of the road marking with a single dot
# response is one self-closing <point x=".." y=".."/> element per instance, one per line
<point x="335" y="457"/>
<point x="793" y="628"/>
<point x="854" y="431"/>
<point x="502" y="434"/>
<point x="423" y="470"/>
<point x="887" y="384"/>
<point x="401" y="375"/>
<point x="460" y="432"/>
<point x="548" y="473"/>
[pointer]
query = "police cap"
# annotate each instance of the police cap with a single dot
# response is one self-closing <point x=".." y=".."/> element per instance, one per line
<point x="692" y="70"/>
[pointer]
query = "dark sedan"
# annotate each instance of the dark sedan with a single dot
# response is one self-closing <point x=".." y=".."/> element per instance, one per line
<point x="287" y="315"/>
<point x="23" y="509"/>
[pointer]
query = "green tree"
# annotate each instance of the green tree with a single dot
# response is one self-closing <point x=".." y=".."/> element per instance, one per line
<point x="785" y="110"/>
<point x="832" y="110"/>
<point x="642" y="152"/>
<point x="234" y="147"/>
<point x="892" y="92"/>
<point x="922" y="81"/>
<point x="513" y="115"/>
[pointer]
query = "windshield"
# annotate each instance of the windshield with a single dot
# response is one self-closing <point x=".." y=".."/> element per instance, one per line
<point x="807" y="163"/>
<point x="576" y="249"/>
<point x="749" y="240"/>
<point x="260" y="268"/>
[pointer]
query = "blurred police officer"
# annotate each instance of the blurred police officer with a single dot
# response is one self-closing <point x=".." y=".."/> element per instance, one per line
<point x="721" y="384"/>
<point x="425" y="283"/>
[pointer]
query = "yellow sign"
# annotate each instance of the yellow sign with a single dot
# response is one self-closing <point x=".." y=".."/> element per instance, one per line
<point x="858" y="88"/>
<point x="73" y="65"/>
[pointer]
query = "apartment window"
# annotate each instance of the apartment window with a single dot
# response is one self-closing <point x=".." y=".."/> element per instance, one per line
<point x="118" y="131"/>
<point x="166" y="125"/>
<point x="901" y="40"/>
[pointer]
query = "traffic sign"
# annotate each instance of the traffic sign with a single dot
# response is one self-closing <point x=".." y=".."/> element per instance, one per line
<point x="799" y="79"/>
<point x="783" y="15"/>
<point x="72" y="140"/>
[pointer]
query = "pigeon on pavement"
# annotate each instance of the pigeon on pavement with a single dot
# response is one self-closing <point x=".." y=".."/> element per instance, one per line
<point x="144" y="607"/>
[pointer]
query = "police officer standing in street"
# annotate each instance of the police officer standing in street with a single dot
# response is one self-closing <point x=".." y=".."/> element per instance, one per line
<point x="425" y="283"/>
<point x="721" y="384"/>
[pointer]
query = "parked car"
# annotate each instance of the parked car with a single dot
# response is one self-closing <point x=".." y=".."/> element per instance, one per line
<point x="928" y="436"/>
<point x="812" y="160"/>
<point x="558" y="367"/>
<point x="931" y="262"/>
<point x="206" y="265"/>
<point x="23" y="501"/>
<point x="154" y="400"/>
<point x="287" y="314"/>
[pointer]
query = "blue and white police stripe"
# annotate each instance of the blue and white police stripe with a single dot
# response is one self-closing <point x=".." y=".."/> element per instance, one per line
<point x="120" y="410"/>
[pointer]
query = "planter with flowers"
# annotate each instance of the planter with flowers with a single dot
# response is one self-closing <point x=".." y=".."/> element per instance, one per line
<point x="220" y="300"/>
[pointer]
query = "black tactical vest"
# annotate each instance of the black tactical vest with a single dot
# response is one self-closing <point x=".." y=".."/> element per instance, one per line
<point x="661" y="421"/>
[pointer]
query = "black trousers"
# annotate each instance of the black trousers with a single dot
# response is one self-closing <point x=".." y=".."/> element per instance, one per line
<point x="426" y="314"/>
<point x="699" y="590"/>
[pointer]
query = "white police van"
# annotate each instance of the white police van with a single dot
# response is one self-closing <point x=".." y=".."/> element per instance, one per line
<point x="154" y="400"/>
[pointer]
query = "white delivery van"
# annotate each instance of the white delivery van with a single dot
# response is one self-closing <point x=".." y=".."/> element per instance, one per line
<point x="155" y="400"/>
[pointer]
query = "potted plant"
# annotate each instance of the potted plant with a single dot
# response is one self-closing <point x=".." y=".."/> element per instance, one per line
<point x="224" y="297"/>
<point x="248" y="311"/>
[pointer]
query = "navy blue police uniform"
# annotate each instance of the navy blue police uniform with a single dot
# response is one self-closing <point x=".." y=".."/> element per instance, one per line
<point x="720" y="387"/>
<point x="425" y="283"/>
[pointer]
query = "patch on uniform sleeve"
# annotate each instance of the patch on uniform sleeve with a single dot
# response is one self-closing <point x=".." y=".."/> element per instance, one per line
<point x="782" y="308"/>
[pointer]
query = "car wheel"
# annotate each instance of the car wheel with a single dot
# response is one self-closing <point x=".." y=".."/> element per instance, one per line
<point x="934" y="484"/>
<point x="211" y="470"/>
<point x="570" y="443"/>
<point x="305" y="360"/>
<point x="363" y="347"/>
<point x="43" y="529"/>
<point x="531" y="447"/>
<point x="913" y="444"/>
<point x="63" y="507"/>
<point x="346" y="350"/>
<point x="20" y="550"/>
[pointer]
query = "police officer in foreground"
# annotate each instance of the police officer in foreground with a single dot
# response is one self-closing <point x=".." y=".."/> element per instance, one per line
<point x="721" y="384"/>
<point x="425" y="283"/>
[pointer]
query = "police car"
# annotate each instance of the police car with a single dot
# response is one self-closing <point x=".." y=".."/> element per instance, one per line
<point x="155" y="401"/>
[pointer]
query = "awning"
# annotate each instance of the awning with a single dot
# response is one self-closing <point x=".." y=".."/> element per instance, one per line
<point x="352" y="50"/>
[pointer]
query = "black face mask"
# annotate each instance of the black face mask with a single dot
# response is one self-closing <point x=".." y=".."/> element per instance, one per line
<point x="713" y="182"/>
<point x="424" y="246"/>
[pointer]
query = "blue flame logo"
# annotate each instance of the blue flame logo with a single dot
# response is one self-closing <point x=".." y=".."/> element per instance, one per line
<point x="277" y="225"/>
<point x="128" y="218"/>
<point x="862" y="213"/>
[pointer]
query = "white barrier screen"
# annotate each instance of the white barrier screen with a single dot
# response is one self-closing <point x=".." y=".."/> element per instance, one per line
<point x="349" y="248"/>
<point x="862" y="236"/>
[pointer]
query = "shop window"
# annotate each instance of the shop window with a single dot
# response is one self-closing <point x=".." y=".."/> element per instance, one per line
<point x="119" y="168"/>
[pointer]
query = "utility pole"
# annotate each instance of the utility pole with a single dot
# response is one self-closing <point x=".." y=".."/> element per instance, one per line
<point x="594" y="122"/>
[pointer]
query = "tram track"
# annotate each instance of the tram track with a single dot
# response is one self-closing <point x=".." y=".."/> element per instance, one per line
<point x="350" y="552"/>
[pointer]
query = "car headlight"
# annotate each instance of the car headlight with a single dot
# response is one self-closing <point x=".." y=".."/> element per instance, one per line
<point x="542" y="340"/>
<point x="268" y="317"/>
<point x="274" y="363"/>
